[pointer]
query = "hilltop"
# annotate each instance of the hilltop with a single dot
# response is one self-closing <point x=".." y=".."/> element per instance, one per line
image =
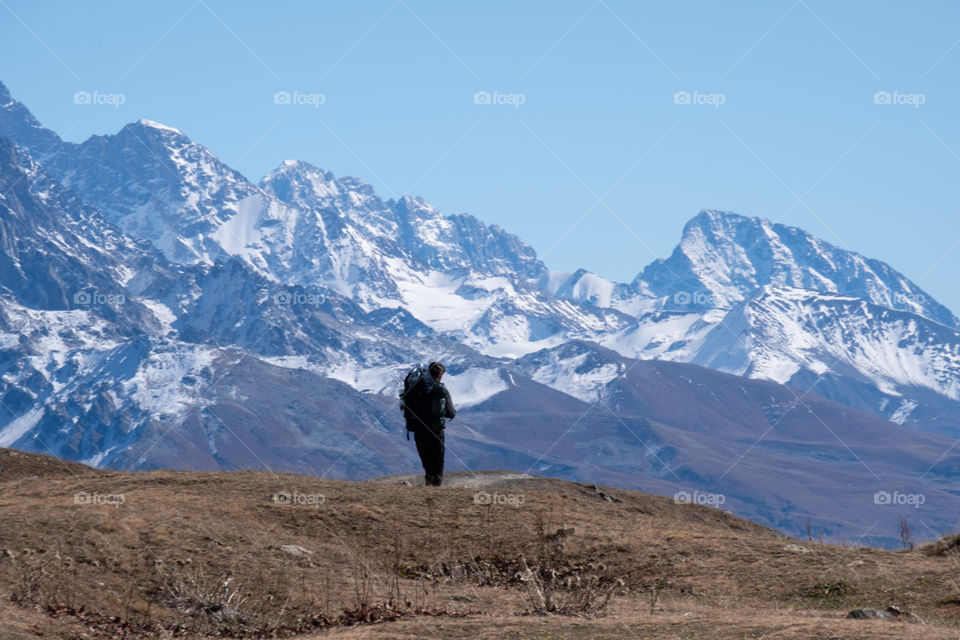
<point x="87" y="553"/>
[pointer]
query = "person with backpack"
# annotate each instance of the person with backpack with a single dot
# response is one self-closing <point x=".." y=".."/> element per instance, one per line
<point x="427" y="405"/>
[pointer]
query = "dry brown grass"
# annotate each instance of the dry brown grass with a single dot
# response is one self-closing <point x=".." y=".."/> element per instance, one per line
<point x="200" y="554"/>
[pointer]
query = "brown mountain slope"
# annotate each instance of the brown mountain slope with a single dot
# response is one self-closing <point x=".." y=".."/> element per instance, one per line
<point x="15" y="465"/>
<point x="94" y="554"/>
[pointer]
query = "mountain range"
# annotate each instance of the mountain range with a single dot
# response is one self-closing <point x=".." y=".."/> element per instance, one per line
<point x="160" y="310"/>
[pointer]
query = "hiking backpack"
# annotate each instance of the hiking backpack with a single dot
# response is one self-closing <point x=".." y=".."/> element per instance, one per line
<point x="420" y="405"/>
<point x="414" y="398"/>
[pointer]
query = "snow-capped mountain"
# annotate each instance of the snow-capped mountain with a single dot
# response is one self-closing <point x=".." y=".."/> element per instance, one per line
<point x="303" y="226"/>
<point x="724" y="258"/>
<point x="114" y="356"/>
<point x="154" y="183"/>
<point x="58" y="253"/>
<point x="864" y="354"/>
<point x="751" y="297"/>
<point x="159" y="309"/>
<point x="459" y="276"/>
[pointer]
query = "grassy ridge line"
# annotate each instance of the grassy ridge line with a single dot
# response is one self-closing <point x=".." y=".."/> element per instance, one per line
<point x="248" y="553"/>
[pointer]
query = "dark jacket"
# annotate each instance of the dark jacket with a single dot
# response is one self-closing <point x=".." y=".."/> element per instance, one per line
<point x="435" y="409"/>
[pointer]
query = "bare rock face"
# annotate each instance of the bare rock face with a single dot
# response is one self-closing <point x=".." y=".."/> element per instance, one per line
<point x="892" y="613"/>
<point x="870" y="614"/>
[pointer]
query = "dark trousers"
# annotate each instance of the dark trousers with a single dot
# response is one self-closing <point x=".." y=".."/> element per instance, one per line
<point x="430" y="448"/>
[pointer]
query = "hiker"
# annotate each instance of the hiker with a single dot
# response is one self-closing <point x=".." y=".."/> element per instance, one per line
<point x="427" y="406"/>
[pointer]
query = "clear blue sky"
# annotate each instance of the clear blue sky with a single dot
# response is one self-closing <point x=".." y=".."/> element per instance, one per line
<point x="598" y="118"/>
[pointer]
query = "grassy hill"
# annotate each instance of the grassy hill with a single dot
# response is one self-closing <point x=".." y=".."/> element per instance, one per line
<point x="86" y="553"/>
